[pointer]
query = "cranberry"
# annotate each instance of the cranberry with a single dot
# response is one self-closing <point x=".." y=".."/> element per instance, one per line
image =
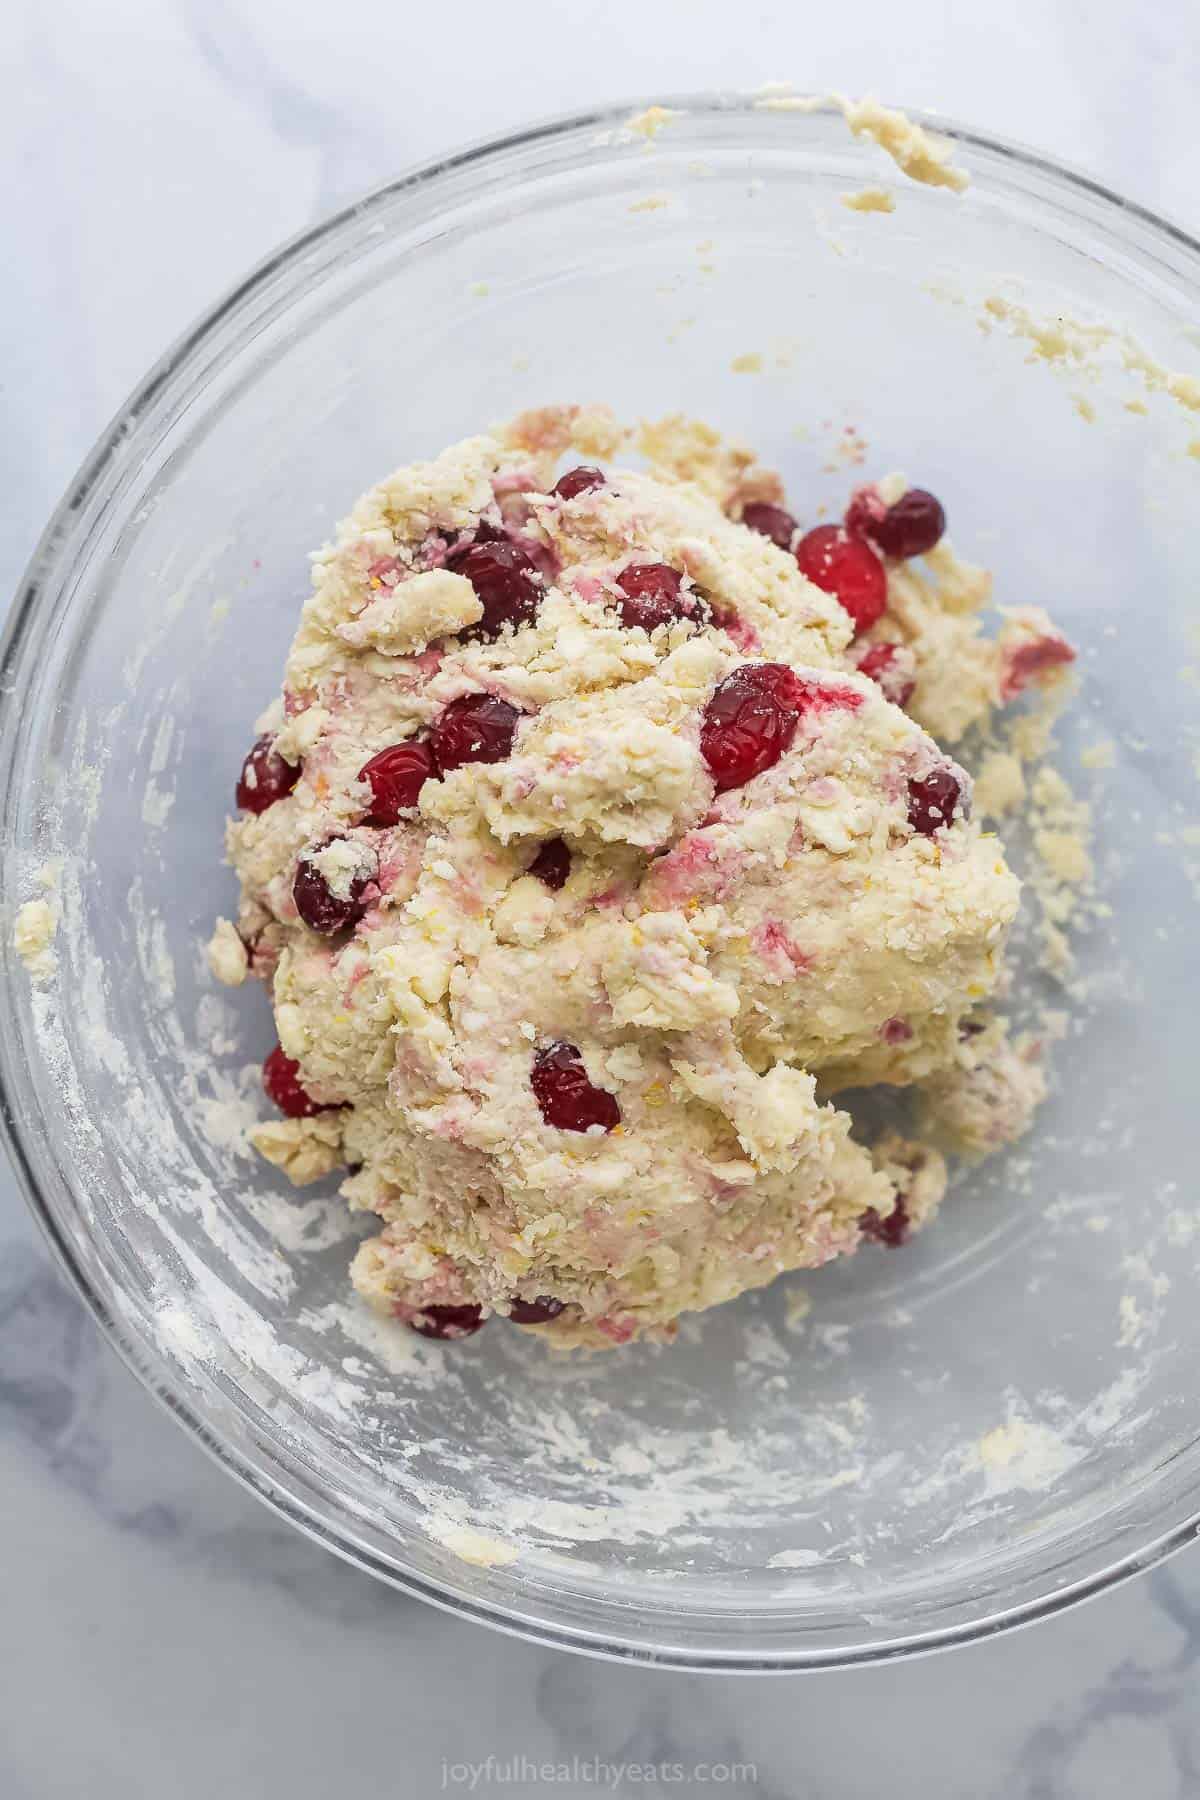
<point x="446" y="1321"/>
<point x="552" y="864"/>
<point x="652" y="595"/>
<point x="473" y="728"/>
<point x="773" y="522"/>
<point x="933" y="801"/>
<point x="487" y="533"/>
<point x="281" y="1079"/>
<point x="321" y="909"/>
<point x="397" y="776"/>
<point x="506" y="581"/>
<point x="864" y="512"/>
<point x="567" y="1099"/>
<point x="912" y="526"/>
<point x="535" y="1312"/>
<point x="578" y="481"/>
<point x="892" y="1231"/>
<point x="265" y="777"/>
<point x="1031" y="660"/>
<point x="749" y="722"/>
<point x="880" y="664"/>
<point x="846" y="568"/>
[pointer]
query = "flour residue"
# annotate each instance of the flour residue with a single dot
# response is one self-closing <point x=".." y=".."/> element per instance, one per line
<point x="1091" y="346"/>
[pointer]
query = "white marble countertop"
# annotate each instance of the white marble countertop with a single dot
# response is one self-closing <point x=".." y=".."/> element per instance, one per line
<point x="167" y="1638"/>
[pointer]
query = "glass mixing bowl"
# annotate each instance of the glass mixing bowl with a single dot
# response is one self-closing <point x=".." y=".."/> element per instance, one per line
<point x="956" y="1436"/>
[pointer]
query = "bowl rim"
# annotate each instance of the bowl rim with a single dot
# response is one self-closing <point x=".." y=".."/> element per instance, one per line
<point x="148" y="1364"/>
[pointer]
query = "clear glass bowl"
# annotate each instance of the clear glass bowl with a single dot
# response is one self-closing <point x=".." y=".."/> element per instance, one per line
<point x="958" y="1436"/>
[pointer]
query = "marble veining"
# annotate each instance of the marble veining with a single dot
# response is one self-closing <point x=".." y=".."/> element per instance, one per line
<point x="167" y="1637"/>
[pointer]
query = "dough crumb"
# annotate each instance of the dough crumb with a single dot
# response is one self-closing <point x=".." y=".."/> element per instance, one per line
<point x="777" y="96"/>
<point x="987" y="1098"/>
<point x="33" y="938"/>
<point x="1061" y="875"/>
<point x="1088" y="345"/>
<point x="797" y="1308"/>
<point x="228" y="957"/>
<point x="474" y="1547"/>
<point x="305" y="1149"/>
<point x="921" y="156"/>
<point x="870" y="200"/>
<point x="649" y="123"/>
<point x="1000" y="785"/>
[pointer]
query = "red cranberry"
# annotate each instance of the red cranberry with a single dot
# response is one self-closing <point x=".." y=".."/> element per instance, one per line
<point x="651" y="595"/>
<point x="879" y="663"/>
<point x="749" y="722"/>
<point x="446" y="1321"/>
<point x="578" y="481"/>
<point x="486" y="532"/>
<point x="506" y="581"/>
<point x="535" y="1312"/>
<point x="566" y="1097"/>
<point x="773" y="522"/>
<point x="933" y="801"/>
<point x="912" y="526"/>
<point x="864" y="512"/>
<point x="846" y="568"/>
<point x="397" y="776"/>
<point x="552" y="864"/>
<point x="1030" y="660"/>
<point x="265" y="777"/>
<point x="891" y="1231"/>
<point x="473" y="728"/>
<point x="281" y="1079"/>
<point x="321" y="909"/>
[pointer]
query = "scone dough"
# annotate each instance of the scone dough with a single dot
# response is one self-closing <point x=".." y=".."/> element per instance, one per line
<point x="722" y="962"/>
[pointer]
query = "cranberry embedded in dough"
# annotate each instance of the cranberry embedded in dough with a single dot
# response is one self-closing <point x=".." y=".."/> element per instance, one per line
<point x="912" y="526"/>
<point x="535" y="1312"/>
<point x="887" y="665"/>
<point x="651" y="595"/>
<point x="566" y="1096"/>
<point x="265" y="777"/>
<point x="473" y="728"/>
<point x="446" y="1322"/>
<point x="281" y="1079"/>
<point x="396" y="776"/>
<point x="933" y="801"/>
<point x="867" y="506"/>
<point x="773" y="522"/>
<point x="506" y="580"/>
<point x="319" y="906"/>
<point x="847" y="568"/>
<point x="578" y="481"/>
<point x="749" y="722"/>
<point x="552" y="864"/>
<point x="891" y="1231"/>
